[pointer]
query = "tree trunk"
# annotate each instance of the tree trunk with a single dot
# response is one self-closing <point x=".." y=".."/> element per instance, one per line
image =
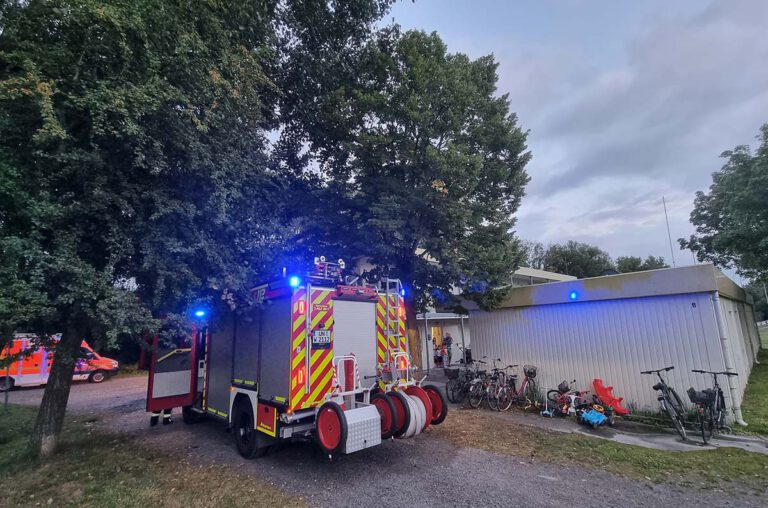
<point x="50" y="417"/>
<point x="415" y="347"/>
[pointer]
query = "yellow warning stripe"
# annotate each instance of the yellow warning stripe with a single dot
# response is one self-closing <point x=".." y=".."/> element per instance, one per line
<point x="299" y="321"/>
<point x="318" y="369"/>
<point x="298" y="358"/>
<point x="320" y="386"/>
<point x="187" y="350"/>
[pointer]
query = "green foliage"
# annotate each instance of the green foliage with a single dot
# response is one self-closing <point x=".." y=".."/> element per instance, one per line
<point x="755" y="403"/>
<point x="757" y="291"/>
<point x="422" y="165"/>
<point x="578" y="259"/>
<point x="731" y="220"/>
<point x="627" y="264"/>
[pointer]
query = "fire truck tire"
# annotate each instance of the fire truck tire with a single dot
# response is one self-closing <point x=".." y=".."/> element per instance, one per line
<point x="331" y="428"/>
<point x="419" y="393"/>
<point x="402" y="413"/>
<point x="387" y="412"/>
<point x="190" y="416"/>
<point x="439" y="404"/>
<point x="6" y="384"/>
<point x="421" y="414"/>
<point x="97" y="376"/>
<point x="247" y="438"/>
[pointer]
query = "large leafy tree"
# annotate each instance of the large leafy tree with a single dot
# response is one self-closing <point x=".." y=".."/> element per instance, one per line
<point x="134" y="173"/>
<point x="421" y="168"/>
<point x="578" y="259"/>
<point x="132" y="168"/>
<point x="627" y="264"/>
<point x="731" y="220"/>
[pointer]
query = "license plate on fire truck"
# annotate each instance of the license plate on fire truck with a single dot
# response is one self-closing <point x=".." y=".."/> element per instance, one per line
<point x="321" y="339"/>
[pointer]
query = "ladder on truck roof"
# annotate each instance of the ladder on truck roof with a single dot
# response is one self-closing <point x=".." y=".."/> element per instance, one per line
<point x="393" y="290"/>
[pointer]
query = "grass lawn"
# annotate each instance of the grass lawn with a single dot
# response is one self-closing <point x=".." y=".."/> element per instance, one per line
<point x="764" y="336"/>
<point x="92" y="469"/>
<point x="129" y="370"/>
<point x="726" y="468"/>
<point x="755" y="404"/>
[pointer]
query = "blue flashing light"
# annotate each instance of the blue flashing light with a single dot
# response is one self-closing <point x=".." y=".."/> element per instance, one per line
<point x="402" y="292"/>
<point x="573" y="295"/>
<point x="200" y="313"/>
<point x="294" y="281"/>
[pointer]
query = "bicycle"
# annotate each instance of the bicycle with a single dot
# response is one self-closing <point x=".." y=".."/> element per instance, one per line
<point x="528" y="394"/>
<point x="458" y="383"/>
<point x="496" y="382"/>
<point x="669" y="400"/>
<point x="710" y="404"/>
<point x="566" y="399"/>
<point x="478" y="385"/>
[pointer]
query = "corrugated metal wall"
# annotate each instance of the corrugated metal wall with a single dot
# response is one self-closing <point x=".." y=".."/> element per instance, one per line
<point x="614" y="340"/>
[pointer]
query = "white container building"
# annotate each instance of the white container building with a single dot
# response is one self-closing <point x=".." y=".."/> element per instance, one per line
<point x="613" y="327"/>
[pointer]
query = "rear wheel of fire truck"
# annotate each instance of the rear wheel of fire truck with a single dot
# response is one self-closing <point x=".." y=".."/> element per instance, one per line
<point x="387" y="412"/>
<point x="97" y="376"/>
<point x="439" y="403"/>
<point x="6" y="383"/>
<point x="247" y="438"/>
<point x="402" y="413"/>
<point x="423" y="396"/>
<point x="331" y="428"/>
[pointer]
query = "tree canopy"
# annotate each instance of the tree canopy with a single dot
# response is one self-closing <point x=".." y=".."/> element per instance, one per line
<point x="627" y="264"/>
<point x="424" y="165"/>
<point x="731" y="219"/>
<point x="135" y="173"/>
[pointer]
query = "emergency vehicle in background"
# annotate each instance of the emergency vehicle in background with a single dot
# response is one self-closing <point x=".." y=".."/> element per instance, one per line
<point x="33" y="367"/>
<point x="318" y="357"/>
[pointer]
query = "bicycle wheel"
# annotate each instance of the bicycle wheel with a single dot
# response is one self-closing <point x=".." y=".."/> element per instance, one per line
<point x="676" y="412"/>
<point x="493" y="392"/>
<point x="459" y="392"/>
<point x="505" y="398"/>
<point x="706" y="423"/>
<point x="449" y="387"/>
<point x="476" y="392"/>
<point x="553" y="396"/>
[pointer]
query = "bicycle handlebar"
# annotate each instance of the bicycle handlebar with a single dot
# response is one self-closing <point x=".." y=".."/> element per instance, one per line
<point x="699" y="371"/>
<point x="665" y="369"/>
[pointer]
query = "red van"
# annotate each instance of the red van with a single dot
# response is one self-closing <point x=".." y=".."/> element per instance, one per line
<point x="34" y="367"/>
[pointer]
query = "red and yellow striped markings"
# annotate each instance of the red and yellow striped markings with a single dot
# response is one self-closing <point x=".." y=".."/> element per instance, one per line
<point x="381" y="323"/>
<point x="321" y="360"/>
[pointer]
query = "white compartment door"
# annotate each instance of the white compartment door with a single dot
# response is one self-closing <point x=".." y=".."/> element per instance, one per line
<point x="354" y="331"/>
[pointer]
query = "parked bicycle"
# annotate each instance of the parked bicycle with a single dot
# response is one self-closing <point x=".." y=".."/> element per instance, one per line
<point x="526" y="396"/>
<point x="710" y="405"/>
<point x="459" y="381"/>
<point x="496" y="382"/>
<point x="669" y="401"/>
<point x="478" y="385"/>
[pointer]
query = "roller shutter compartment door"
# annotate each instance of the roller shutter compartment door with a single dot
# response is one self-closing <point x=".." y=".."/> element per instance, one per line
<point x="354" y="331"/>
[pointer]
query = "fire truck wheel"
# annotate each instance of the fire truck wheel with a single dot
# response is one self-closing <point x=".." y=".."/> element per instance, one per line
<point x="97" y="376"/>
<point x="402" y="413"/>
<point x="418" y="392"/>
<point x="190" y="416"/>
<point x="331" y="428"/>
<point x="439" y="403"/>
<point x="6" y="383"/>
<point x="387" y="412"/>
<point x="247" y="438"/>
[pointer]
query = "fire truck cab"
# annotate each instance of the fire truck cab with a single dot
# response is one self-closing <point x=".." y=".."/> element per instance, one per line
<point x="33" y="366"/>
<point x="317" y="358"/>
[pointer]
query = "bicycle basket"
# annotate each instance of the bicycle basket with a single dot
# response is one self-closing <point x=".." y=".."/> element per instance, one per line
<point x="706" y="397"/>
<point x="564" y="387"/>
<point x="451" y="373"/>
<point x="529" y="370"/>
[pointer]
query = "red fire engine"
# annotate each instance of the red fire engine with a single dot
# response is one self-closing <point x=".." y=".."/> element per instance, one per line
<point x="317" y="358"/>
<point x="33" y="366"/>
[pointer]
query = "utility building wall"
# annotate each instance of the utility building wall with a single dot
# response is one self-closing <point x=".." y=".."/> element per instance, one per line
<point x="615" y="339"/>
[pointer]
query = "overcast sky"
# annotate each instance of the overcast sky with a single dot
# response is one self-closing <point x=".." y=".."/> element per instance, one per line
<point x="626" y="102"/>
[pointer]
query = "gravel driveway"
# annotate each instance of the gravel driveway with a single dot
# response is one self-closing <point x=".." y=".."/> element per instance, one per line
<point x="424" y="471"/>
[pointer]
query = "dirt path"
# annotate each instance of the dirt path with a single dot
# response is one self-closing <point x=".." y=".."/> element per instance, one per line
<point x="424" y="471"/>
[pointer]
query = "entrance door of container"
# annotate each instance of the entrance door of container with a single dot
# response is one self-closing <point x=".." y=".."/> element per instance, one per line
<point x="172" y="372"/>
<point x="354" y="331"/>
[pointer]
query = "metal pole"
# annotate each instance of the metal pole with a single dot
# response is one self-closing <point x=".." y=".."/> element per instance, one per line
<point x="463" y="346"/>
<point x="426" y="339"/>
<point x="669" y="235"/>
